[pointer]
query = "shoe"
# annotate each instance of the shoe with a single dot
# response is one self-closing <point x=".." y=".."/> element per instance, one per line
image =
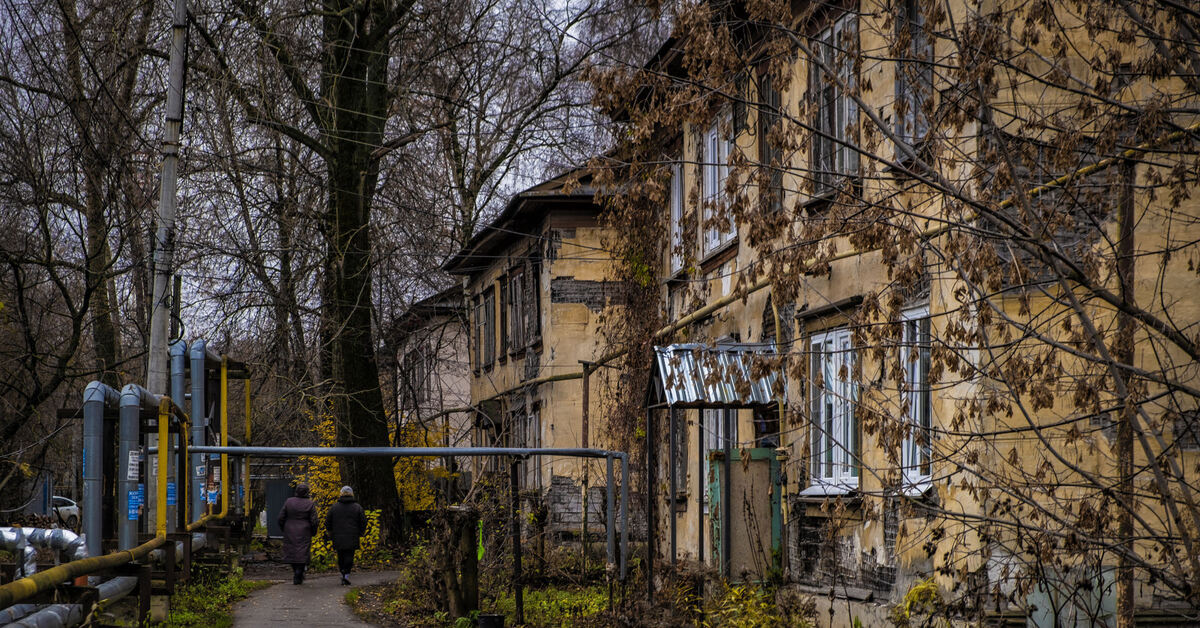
<point x="345" y="580"/>
<point x="297" y="580"/>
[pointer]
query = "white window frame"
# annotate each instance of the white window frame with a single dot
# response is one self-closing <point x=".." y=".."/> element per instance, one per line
<point x="914" y="74"/>
<point x="676" y="204"/>
<point x="714" y="173"/>
<point x="834" y="430"/>
<point x="916" y="456"/>
<point x="833" y="157"/>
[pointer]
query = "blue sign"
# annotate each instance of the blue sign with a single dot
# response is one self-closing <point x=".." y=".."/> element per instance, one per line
<point x="141" y="494"/>
<point x="170" y="493"/>
<point x="131" y="506"/>
<point x="84" y="456"/>
<point x="213" y="495"/>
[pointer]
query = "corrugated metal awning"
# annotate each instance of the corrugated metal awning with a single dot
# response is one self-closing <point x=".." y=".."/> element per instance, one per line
<point x="732" y="375"/>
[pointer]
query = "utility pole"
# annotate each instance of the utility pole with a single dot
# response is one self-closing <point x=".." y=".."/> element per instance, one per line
<point x="164" y="240"/>
<point x="164" y="236"/>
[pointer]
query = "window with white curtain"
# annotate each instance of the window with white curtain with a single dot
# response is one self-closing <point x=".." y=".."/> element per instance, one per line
<point x="676" y="201"/>
<point x="832" y="396"/>
<point x="831" y="73"/>
<point x="714" y="172"/>
<point x="914" y="357"/>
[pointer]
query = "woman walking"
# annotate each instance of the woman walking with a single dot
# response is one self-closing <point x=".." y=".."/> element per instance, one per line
<point x="298" y="520"/>
<point x="345" y="524"/>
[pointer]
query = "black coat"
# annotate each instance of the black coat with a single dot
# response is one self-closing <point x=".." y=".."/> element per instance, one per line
<point x="298" y="520"/>
<point x="345" y="523"/>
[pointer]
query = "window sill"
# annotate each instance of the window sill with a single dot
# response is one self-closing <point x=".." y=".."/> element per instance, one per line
<point x="719" y="255"/>
<point x="828" y="489"/>
<point x="820" y="201"/>
<point x="919" y="490"/>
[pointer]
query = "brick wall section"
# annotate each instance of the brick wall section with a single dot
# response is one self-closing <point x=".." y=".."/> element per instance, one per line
<point x="594" y="294"/>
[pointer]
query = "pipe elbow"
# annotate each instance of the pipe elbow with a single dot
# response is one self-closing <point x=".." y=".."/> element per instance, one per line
<point x="199" y="349"/>
<point x="99" y="392"/>
<point x="178" y="349"/>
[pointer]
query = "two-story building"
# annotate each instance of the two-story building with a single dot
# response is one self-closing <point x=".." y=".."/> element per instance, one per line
<point x="943" y="279"/>
<point x="537" y="280"/>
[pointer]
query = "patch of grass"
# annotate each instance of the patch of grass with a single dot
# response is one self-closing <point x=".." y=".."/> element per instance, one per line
<point x="556" y="606"/>
<point x="206" y="601"/>
<point x="352" y="596"/>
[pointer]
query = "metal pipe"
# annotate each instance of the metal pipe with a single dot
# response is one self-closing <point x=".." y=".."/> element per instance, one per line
<point x="225" y="484"/>
<point x="164" y="459"/>
<point x="129" y="463"/>
<point x="524" y="452"/>
<point x="610" y="495"/>
<point x="726" y="495"/>
<point x="200" y="357"/>
<point x="97" y="397"/>
<point x="289" y="452"/>
<point x="246" y="459"/>
<point x="176" y="513"/>
<point x="13" y="540"/>
<point x="624" y="515"/>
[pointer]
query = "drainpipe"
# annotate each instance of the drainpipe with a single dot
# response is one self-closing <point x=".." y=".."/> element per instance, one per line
<point x="133" y="399"/>
<point x="96" y="397"/>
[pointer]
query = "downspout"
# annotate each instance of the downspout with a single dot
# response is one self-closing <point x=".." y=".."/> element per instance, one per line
<point x="96" y="398"/>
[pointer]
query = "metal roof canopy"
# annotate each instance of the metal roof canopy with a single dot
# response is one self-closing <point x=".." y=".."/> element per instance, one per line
<point x="697" y="375"/>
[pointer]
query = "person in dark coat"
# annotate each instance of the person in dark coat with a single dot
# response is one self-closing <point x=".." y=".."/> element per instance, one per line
<point x="298" y="520"/>
<point x="345" y="524"/>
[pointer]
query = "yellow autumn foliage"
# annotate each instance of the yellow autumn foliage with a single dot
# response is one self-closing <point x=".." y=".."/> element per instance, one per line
<point x="324" y="478"/>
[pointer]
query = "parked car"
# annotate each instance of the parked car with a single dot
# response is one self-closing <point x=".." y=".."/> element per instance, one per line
<point x="66" y="511"/>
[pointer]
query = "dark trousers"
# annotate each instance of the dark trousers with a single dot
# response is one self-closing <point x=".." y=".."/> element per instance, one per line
<point x="345" y="560"/>
<point x="298" y="572"/>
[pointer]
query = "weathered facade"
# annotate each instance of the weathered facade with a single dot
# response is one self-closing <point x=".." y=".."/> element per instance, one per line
<point x="888" y="474"/>
<point x="433" y="386"/>
<point x="536" y="281"/>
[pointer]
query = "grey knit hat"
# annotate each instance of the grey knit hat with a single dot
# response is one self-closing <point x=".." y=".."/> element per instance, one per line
<point x="346" y="491"/>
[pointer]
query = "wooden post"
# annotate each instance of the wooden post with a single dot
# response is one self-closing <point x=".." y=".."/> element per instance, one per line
<point x="587" y="467"/>
<point x="514" y="470"/>
<point x="651" y="482"/>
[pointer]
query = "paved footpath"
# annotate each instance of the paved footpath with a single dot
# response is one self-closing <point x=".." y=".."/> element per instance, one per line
<point x="320" y="601"/>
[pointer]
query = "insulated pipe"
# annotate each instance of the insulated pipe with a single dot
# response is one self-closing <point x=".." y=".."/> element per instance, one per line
<point x="69" y="545"/>
<point x="225" y="483"/>
<point x="128" y="464"/>
<point x="96" y="398"/>
<point x="200" y="357"/>
<point x="246" y="459"/>
<point x="164" y="460"/>
<point x="13" y="540"/>
<point x="71" y="614"/>
<point x="178" y="476"/>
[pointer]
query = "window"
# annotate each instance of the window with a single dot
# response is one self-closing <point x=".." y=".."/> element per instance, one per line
<point x="720" y="426"/>
<point x="516" y="311"/>
<point x="676" y="218"/>
<point x="527" y="427"/>
<point x="714" y="171"/>
<point x="833" y="159"/>
<point x="489" y="327"/>
<point x="505" y="337"/>
<point x="679" y="444"/>
<point x="914" y="357"/>
<point x="531" y="309"/>
<point x="914" y="73"/>
<point x="479" y="324"/>
<point x="769" y="154"/>
<point x="834" y="428"/>
<point x="418" y="368"/>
